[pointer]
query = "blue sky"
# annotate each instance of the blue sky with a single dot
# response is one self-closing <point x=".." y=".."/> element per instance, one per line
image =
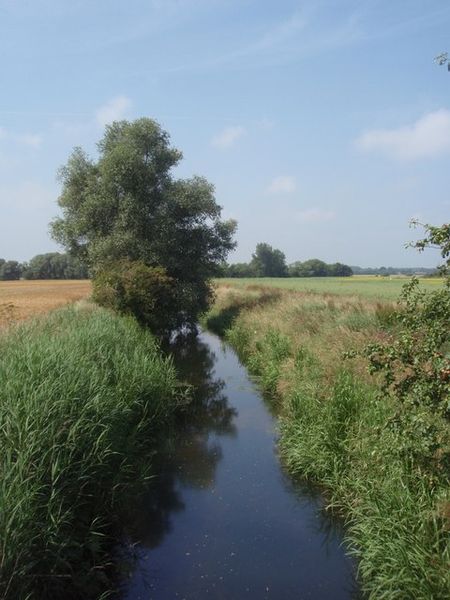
<point x="324" y="124"/>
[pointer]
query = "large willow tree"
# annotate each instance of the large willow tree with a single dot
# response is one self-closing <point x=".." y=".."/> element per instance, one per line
<point x="128" y="208"/>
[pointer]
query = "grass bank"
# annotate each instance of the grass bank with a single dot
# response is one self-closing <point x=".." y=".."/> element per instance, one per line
<point x="339" y="432"/>
<point x="82" y="394"/>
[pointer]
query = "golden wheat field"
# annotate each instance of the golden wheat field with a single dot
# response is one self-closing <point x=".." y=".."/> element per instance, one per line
<point x="22" y="299"/>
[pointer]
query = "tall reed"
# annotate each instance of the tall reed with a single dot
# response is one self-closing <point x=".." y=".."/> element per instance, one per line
<point x="82" y="393"/>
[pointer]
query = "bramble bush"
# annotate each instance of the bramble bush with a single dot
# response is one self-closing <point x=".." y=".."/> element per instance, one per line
<point x="415" y="364"/>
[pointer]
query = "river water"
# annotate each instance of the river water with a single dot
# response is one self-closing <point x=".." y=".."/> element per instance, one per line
<point x="222" y="519"/>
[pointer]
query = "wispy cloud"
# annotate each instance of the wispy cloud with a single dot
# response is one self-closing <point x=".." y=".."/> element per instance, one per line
<point x="228" y="137"/>
<point x="114" y="110"/>
<point x="284" y="184"/>
<point x="292" y="38"/>
<point x="282" y="32"/>
<point x="32" y="140"/>
<point x="314" y="215"/>
<point x="317" y="29"/>
<point x="427" y="137"/>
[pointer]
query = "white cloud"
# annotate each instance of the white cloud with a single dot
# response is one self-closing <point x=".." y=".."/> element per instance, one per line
<point x="428" y="137"/>
<point x="228" y="137"/>
<point x="114" y="110"/>
<point x="314" y="215"/>
<point x="284" y="184"/>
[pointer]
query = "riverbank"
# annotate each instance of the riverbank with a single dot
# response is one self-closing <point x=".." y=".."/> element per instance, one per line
<point x="83" y="393"/>
<point x="337" y="431"/>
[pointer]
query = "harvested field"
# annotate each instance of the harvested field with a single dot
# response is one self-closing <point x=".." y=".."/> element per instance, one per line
<point x="22" y="299"/>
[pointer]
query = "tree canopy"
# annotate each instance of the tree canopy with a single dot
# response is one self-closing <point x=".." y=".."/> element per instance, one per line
<point x="55" y="265"/>
<point x="268" y="262"/>
<point x="128" y="206"/>
<point x="10" y="270"/>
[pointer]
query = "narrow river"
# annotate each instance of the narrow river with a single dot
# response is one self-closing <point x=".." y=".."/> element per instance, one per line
<point x="222" y="520"/>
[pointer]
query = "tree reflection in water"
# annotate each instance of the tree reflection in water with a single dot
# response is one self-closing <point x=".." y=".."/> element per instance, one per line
<point x="189" y="457"/>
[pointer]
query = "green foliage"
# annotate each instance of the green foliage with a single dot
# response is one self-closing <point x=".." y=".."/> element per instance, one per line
<point x="317" y="268"/>
<point x="127" y="205"/>
<point x="310" y="268"/>
<point x="415" y="364"/>
<point x="437" y="237"/>
<point x="339" y="270"/>
<point x="268" y="262"/>
<point x="54" y="265"/>
<point x="10" y="270"/>
<point x="83" y="395"/>
<point x="131" y="287"/>
<point x="239" y="270"/>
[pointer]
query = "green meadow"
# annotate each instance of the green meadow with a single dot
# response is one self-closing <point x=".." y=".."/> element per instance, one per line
<point x="367" y="286"/>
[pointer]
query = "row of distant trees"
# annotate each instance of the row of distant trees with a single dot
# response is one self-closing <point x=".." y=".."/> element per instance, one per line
<point x="270" y="262"/>
<point x="52" y="265"/>
<point x="385" y="271"/>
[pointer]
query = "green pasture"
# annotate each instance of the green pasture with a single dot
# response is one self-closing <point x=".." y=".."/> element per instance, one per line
<point x="367" y="286"/>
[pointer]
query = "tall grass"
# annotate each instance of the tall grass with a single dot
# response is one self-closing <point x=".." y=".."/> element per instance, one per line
<point x="82" y="393"/>
<point x="335" y="432"/>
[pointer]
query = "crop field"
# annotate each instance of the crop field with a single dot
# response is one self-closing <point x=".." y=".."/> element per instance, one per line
<point x="367" y="286"/>
<point x="22" y="299"/>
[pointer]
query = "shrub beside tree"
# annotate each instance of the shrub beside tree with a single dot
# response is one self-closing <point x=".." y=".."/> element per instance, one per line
<point x="132" y="286"/>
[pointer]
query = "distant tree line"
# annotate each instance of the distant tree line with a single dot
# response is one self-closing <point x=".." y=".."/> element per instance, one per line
<point x="10" y="270"/>
<point x="52" y="265"/>
<point x="270" y="262"/>
<point x="385" y="271"/>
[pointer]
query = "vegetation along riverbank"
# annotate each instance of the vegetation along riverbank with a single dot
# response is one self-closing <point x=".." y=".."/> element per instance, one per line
<point x="83" y="393"/>
<point x="382" y="458"/>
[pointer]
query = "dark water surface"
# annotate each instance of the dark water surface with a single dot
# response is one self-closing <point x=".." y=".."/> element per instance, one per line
<point x="223" y="521"/>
